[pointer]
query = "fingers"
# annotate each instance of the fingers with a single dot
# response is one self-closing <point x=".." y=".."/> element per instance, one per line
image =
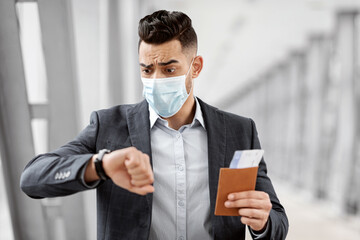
<point x="142" y="190"/>
<point x="139" y="169"/>
<point x="253" y="206"/>
<point x="135" y="160"/>
<point x="249" y="199"/>
<point x="142" y="182"/>
<point x="130" y="169"/>
<point x="248" y="194"/>
<point x="253" y="213"/>
<point x="245" y="203"/>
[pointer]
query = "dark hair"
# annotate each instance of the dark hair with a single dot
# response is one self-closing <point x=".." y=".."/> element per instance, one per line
<point x="163" y="26"/>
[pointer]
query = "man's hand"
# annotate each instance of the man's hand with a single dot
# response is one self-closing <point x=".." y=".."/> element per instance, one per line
<point x="128" y="168"/>
<point x="254" y="208"/>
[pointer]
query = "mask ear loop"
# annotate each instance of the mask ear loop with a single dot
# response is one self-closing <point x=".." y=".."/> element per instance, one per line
<point x="192" y="82"/>
<point x="192" y="61"/>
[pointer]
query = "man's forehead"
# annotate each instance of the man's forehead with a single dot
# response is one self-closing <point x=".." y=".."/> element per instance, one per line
<point x="161" y="57"/>
<point x="163" y="52"/>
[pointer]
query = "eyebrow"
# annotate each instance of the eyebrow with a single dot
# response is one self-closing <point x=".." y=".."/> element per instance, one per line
<point x="160" y="63"/>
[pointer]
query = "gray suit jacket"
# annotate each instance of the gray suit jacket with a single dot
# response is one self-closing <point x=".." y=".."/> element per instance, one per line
<point x="125" y="215"/>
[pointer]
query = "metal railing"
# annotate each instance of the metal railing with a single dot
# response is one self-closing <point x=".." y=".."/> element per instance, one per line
<point x="307" y="110"/>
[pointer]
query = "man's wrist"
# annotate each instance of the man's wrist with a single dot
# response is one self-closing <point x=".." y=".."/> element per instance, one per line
<point x="263" y="232"/>
<point x="88" y="175"/>
<point x="259" y="232"/>
<point x="90" y="172"/>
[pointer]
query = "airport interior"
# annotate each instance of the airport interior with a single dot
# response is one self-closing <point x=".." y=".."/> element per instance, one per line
<point x="291" y="66"/>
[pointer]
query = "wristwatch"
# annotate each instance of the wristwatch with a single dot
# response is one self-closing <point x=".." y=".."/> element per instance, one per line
<point x="98" y="164"/>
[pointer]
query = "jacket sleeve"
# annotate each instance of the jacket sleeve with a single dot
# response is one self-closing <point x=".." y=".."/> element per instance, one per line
<point x="58" y="173"/>
<point x="278" y="221"/>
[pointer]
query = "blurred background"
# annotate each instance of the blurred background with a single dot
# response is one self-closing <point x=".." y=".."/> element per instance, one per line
<point x="292" y="66"/>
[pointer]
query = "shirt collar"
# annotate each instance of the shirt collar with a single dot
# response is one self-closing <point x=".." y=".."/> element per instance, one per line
<point x="198" y="116"/>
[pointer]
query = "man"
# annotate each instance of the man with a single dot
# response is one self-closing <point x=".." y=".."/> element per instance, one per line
<point x="158" y="161"/>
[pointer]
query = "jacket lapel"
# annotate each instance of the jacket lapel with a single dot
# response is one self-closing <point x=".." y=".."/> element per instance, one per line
<point x="139" y="131"/>
<point x="216" y="135"/>
<point x="139" y="127"/>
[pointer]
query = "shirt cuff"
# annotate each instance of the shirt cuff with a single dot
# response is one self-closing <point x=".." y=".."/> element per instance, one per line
<point x="90" y="185"/>
<point x="261" y="235"/>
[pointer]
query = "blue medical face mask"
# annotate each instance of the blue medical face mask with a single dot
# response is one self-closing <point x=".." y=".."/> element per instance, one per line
<point x="166" y="95"/>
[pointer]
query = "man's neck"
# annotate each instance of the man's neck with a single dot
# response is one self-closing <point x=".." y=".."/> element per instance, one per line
<point x="185" y="115"/>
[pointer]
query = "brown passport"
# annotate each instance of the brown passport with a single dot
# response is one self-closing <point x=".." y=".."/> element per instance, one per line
<point x="233" y="180"/>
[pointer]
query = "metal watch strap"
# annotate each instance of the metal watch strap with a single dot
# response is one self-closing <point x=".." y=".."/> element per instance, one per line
<point x="98" y="164"/>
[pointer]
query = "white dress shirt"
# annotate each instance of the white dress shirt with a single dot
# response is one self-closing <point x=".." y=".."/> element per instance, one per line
<point x="181" y="201"/>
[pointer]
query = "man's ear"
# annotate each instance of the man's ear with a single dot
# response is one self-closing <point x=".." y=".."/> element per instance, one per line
<point x="197" y="66"/>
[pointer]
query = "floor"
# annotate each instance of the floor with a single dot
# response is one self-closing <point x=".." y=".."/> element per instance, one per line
<point x="313" y="219"/>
